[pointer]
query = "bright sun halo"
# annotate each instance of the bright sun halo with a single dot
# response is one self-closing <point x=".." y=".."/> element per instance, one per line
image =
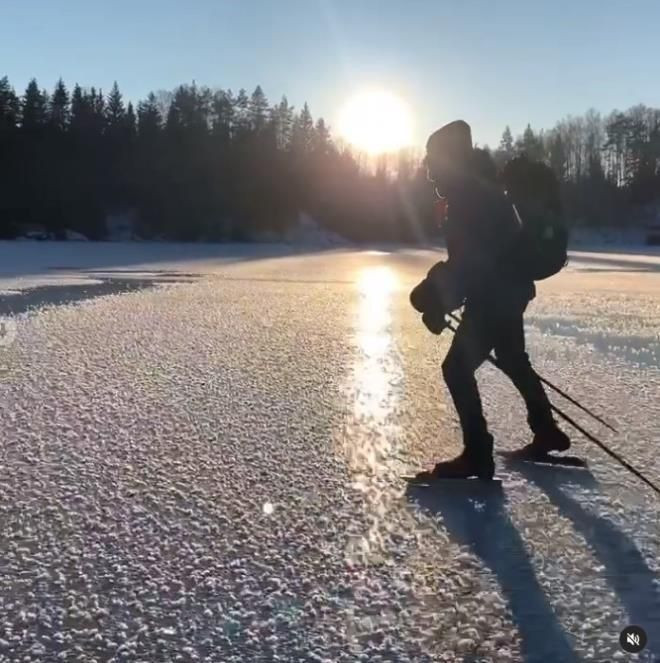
<point x="376" y="121"/>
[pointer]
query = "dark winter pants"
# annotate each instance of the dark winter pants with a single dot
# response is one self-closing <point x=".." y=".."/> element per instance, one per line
<point x="493" y="323"/>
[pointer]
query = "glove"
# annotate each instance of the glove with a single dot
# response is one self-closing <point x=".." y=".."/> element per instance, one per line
<point x="428" y="294"/>
<point x="424" y="299"/>
<point x="443" y="283"/>
<point x="420" y="296"/>
<point x="434" y="321"/>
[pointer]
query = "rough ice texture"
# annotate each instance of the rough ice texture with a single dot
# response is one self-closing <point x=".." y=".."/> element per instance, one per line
<point x="211" y="471"/>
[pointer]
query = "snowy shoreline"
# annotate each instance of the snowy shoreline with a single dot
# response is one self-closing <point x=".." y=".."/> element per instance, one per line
<point x="30" y="264"/>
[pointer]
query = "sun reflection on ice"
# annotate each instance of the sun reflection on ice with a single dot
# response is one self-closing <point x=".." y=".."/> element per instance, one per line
<point x="375" y="288"/>
<point x="372" y="445"/>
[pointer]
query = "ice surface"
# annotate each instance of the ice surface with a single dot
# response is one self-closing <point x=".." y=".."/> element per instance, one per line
<point x="211" y="470"/>
<point x="33" y="264"/>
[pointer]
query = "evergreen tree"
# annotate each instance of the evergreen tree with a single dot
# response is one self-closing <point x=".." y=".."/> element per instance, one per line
<point x="115" y="112"/>
<point x="188" y="110"/>
<point x="321" y="142"/>
<point x="130" y="121"/>
<point x="174" y="121"/>
<point x="59" y="109"/>
<point x="531" y="145"/>
<point x="9" y="106"/>
<point x="79" y="109"/>
<point x="282" y="121"/>
<point x="241" y="113"/>
<point x="11" y="180"/>
<point x="506" y="143"/>
<point x="258" y="109"/>
<point x="34" y="107"/>
<point x="150" y="120"/>
<point x="223" y="115"/>
<point x="302" y="132"/>
<point x="96" y="104"/>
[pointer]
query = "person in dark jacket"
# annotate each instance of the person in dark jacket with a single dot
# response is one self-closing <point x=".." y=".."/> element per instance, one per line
<point x="481" y="229"/>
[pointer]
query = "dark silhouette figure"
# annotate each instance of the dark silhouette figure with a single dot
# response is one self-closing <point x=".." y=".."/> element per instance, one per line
<point x="474" y="514"/>
<point x="626" y="571"/>
<point x="483" y="271"/>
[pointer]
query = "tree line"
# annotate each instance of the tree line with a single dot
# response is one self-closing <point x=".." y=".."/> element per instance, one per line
<point x="197" y="163"/>
<point x="607" y="167"/>
<point x="194" y="163"/>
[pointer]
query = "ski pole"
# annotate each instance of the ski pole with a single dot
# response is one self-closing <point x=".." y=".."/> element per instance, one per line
<point x="588" y="435"/>
<point x="569" y="398"/>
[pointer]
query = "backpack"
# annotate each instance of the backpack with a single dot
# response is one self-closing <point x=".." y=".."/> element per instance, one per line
<point x="542" y="247"/>
<point x="533" y="191"/>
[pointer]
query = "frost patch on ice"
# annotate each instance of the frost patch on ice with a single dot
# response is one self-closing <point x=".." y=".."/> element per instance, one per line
<point x="635" y="349"/>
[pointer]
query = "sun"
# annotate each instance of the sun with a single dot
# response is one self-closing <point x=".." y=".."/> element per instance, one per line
<point x="376" y="121"/>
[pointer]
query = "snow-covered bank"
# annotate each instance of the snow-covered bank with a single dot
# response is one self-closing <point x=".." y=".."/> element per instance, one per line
<point x="623" y="239"/>
<point x="39" y="258"/>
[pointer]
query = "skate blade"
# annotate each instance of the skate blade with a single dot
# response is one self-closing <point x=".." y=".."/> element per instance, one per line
<point x="546" y="459"/>
<point x="420" y="480"/>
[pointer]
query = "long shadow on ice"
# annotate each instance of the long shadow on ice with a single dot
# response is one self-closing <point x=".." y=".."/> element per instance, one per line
<point x="626" y="571"/>
<point x="58" y="295"/>
<point x="474" y="514"/>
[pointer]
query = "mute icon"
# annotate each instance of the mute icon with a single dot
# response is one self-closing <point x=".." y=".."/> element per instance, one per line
<point x="633" y="639"/>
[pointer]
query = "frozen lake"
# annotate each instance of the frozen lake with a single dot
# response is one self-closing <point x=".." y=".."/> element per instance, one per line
<point x="203" y="447"/>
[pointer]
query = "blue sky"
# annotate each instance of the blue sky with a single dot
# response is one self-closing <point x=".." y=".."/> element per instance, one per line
<point x="491" y="63"/>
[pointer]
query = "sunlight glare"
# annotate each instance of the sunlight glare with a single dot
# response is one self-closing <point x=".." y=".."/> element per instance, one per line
<point x="376" y="121"/>
<point x="377" y="282"/>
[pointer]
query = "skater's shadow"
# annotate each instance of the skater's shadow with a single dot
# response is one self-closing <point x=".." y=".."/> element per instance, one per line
<point x="475" y="515"/>
<point x="626" y="571"/>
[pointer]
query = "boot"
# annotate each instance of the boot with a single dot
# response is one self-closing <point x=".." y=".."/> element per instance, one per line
<point x="473" y="462"/>
<point x="547" y="440"/>
<point x="466" y="466"/>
